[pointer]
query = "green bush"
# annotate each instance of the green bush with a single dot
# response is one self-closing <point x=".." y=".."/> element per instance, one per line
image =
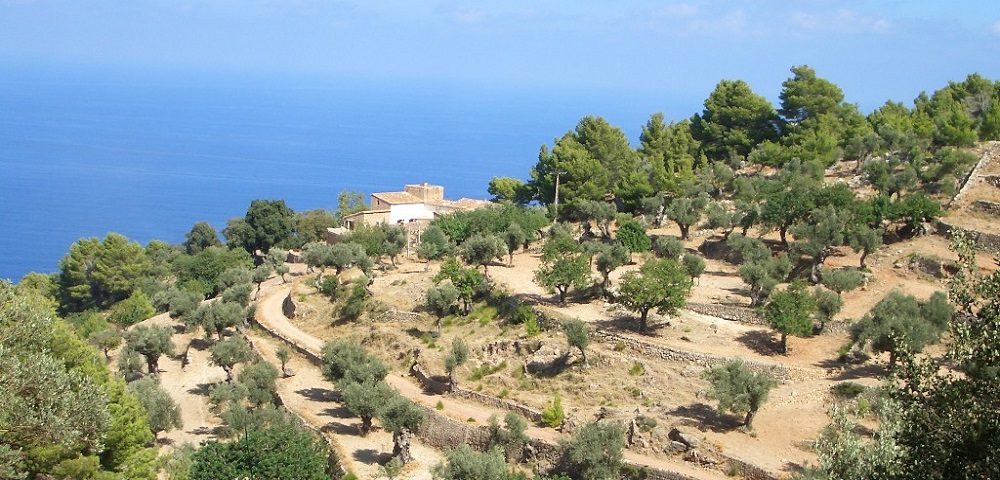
<point x="522" y="314"/>
<point x="132" y="310"/>
<point x="847" y="390"/>
<point x="531" y="327"/>
<point x="553" y="414"/>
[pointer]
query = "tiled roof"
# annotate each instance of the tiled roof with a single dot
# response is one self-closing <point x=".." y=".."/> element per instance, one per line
<point x="397" y="198"/>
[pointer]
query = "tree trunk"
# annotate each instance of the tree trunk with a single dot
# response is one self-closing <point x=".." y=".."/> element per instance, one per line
<point x="781" y="232"/>
<point x="510" y="254"/>
<point x="864" y="257"/>
<point x="366" y="425"/>
<point x="401" y="446"/>
<point x="583" y="354"/>
<point x="642" y="320"/>
<point x="107" y="354"/>
<point x="562" y="294"/>
<point x="684" y="230"/>
<point x="748" y="420"/>
<point x="892" y="358"/>
<point x="152" y="364"/>
<point x="784" y="342"/>
<point x="257" y="295"/>
<point x="229" y="373"/>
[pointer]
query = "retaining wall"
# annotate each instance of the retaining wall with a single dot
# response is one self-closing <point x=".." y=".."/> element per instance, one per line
<point x="991" y="151"/>
<point x="727" y="312"/>
<point x="666" y="353"/>
<point x="431" y="385"/>
<point x="991" y="208"/>
<point x="987" y="242"/>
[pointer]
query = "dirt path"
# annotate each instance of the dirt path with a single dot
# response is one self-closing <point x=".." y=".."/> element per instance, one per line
<point x="270" y="314"/>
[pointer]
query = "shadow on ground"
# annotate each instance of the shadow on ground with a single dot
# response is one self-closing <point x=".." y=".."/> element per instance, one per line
<point x="704" y="417"/>
<point x="762" y="342"/>
<point x="317" y="394"/>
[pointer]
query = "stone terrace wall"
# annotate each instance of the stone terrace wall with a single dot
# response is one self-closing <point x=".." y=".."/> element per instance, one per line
<point x="991" y="208"/>
<point x="992" y="151"/>
<point x="727" y="312"/>
<point x="431" y="385"/>
<point x="666" y="353"/>
<point x="987" y="242"/>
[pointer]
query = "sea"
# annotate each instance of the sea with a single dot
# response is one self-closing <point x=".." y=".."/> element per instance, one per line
<point x="85" y="151"/>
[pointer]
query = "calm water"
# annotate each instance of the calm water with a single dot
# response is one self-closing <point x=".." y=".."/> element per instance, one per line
<point x="83" y="154"/>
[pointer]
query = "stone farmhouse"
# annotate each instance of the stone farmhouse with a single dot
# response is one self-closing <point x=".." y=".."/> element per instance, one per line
<point x="414" y="207"/>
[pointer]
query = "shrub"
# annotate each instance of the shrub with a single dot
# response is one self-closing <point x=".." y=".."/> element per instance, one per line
<point x="553" y="414"/>
<point x="132" y="310"/>
<point x="668" y="247"/>
<point x="532" y="328"/>
<point x="847" y="390"/>
<point x="522" y="314"/>
<point x="633" y="236"/>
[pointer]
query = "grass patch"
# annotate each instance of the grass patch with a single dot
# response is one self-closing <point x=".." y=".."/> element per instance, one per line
<point x="637" y="369"/>
<point x="620" y="346"/>
<point x="439" y="405"/>
<point x="486" y="370"/>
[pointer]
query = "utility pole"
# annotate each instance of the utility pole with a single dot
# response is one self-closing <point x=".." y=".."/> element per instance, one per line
<point x="555" y="217"/>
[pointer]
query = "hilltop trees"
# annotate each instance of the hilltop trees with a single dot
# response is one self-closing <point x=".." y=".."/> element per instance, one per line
<point x="670" y="151"/>
<point x="735" y="120"/>
<point x="267" y="223"/>
<point x="660" y="284"/>
<point x="201" y="236"/>
<point x="98" y="273"/>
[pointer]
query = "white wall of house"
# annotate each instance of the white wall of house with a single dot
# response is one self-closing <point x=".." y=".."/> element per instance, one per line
<point x="409" y="211"/>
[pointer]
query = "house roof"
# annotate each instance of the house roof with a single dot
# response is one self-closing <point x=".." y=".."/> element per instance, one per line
<point x="397" y="198"/>
<point x="365" y="212"/>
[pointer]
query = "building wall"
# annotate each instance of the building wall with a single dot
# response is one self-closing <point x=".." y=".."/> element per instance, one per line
<point x="427" y="193"/>
<point x="410" y="211"/>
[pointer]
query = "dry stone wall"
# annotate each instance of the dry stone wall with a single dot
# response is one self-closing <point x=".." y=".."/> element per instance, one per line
<point x="728" y="312"/>
<point x="987" y="242"/>
<point x="991" y="208"/>
<point x="990" y="153"/>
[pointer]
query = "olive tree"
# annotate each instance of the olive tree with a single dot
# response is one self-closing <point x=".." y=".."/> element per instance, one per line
<point x="577" y="336"/>
<point x="151" y="342"/>
<point x="660" y="283"/>
<point x="164" y="414"/>
<point x="738" y="389"/>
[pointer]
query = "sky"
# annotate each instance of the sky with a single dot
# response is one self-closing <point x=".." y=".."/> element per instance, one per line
<point x="875" y="50"/>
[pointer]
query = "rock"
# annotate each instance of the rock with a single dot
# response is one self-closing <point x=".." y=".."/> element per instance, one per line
<point x="685" y="438"/>
<point x="674" y="448"/>
<point x="545" y="359"/>
<point x="288" y="372"/>
<point x="685" y="338"/>
<point x="288" y="306"/>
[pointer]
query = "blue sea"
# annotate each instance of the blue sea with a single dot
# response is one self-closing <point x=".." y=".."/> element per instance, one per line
<point x="86" y="152"/>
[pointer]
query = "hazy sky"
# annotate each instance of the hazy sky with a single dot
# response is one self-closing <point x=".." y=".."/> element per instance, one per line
<point x="873" y="49"/>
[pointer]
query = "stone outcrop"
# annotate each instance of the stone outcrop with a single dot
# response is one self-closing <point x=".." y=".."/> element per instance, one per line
<point x="288" y="306"/>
